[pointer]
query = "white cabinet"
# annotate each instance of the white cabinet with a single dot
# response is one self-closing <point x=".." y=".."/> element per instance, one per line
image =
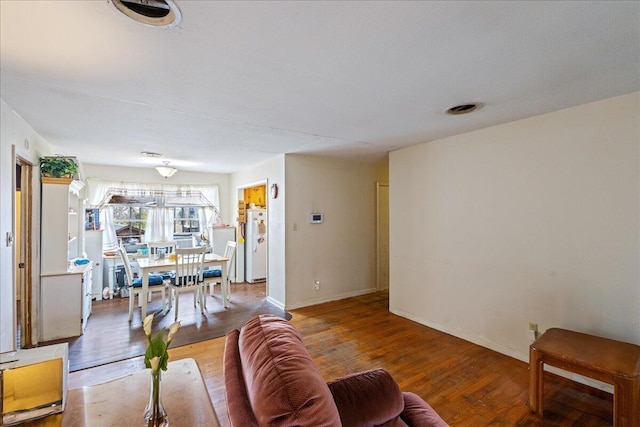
<point x="93" y="248"/>
<point x="66" y="303"/>
<point x="62" y="225"/>
<point x="87" y="285"/>
<point x="65" y="289"/>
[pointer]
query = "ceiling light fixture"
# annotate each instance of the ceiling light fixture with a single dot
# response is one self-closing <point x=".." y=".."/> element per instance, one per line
<point x="166" y="171"/>
<point x="464" y="108"/>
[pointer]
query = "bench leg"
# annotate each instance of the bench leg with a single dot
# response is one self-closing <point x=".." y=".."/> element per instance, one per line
<point x="536" y="381"/>
<point x="626" y="402"/>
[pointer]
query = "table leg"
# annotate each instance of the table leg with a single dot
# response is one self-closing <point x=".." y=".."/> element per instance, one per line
<point x="536" y="381"/>
<point x="224" y="284"/>
<point x="111" y="276"/>
<point x="626" y="402"/>
<point x="144" y="293"/>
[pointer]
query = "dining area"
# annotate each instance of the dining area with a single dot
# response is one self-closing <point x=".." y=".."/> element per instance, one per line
<point x="172" y="269"/>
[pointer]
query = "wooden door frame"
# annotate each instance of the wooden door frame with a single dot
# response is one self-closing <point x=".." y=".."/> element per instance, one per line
<point x="23" y="278"/>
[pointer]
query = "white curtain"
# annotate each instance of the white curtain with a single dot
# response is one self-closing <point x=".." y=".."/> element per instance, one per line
<point x="109" y="238"/>
<point x="159" y="226"/>
<point x="203" y="222"/>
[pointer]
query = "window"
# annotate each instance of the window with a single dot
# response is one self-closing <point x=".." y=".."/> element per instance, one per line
<point x="186" y="219"/>
<point x="129" y="222"/>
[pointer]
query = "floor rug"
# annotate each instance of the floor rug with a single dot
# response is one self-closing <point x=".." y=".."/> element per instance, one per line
<point x="109" y="337"/>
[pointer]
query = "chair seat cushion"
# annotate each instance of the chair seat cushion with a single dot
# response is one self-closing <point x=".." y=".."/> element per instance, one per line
<point x="211" y="272"/>
<point x="154" y="280"/>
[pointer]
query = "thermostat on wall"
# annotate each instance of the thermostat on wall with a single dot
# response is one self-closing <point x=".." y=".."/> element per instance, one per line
<point x="315" y="218"/>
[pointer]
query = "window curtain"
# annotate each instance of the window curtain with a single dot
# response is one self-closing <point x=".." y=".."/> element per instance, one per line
<point x="99" y="192"/>
<point x="96" y="192"/>
<point x="203" y="222"/>
<point x="159" y="226"/>
<point x="109" y="238"/>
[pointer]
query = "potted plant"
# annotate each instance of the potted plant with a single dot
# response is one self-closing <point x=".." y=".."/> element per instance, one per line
<point x="58" y="167"/>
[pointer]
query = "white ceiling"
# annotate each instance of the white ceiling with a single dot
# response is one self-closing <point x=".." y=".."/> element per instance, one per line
<point x="236" y="83"/>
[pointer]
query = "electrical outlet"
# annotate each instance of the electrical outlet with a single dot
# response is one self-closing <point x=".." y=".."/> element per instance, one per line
<point x="316" y="285"/>
<point x="533" y="331"/>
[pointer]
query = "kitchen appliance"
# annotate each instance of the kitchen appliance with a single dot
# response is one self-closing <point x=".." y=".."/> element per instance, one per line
<point x="256" y="246"/>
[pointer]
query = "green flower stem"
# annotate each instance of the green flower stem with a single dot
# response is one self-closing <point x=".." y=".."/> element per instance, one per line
<point x="155" y="406"/>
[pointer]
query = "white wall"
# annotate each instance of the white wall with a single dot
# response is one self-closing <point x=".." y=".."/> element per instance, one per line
<point x="150" y="175"/>
<point x="13" y="133"/>
<point x="536" y="220"/>
<point x="271" y="171"/>
<point x="340" y="252"/>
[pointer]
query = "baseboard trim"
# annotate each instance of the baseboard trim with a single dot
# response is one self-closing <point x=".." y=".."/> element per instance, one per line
<point x="334" y="297"/>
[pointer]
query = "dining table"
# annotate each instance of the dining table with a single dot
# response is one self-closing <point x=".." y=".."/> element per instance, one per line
<point x="156" y="265"/>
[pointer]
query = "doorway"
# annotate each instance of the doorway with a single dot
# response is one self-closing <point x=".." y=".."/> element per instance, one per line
<point x="382" y="235"/>
<point x="252" y="197"/>
<point x="22" y="254"/>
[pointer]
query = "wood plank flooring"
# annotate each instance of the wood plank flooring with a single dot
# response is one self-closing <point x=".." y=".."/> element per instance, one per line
<point x="467" y="384"/>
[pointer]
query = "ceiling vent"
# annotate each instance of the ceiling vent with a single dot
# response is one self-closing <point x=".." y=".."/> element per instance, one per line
<point x="464" y="108"/>
<point x="157" y="13"/>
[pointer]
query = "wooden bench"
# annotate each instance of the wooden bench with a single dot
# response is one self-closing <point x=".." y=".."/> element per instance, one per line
<point x="606" y="360"/>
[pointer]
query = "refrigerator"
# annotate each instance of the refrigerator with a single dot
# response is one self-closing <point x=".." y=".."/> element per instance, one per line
<point x="255" y="246"/>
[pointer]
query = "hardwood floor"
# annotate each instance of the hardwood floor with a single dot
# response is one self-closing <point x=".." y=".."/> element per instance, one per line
<point x="467" y="384"/>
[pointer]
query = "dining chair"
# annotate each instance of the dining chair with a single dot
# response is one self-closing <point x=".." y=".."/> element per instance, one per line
<point x="188" y="275"/>
<point x="157" y="249"/>
<point x="185" y="242"/>
<point x="213" y="276"/>
<point x="156" y="283"/>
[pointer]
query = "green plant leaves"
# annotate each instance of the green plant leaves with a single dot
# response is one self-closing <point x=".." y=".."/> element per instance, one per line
<point x="58" y="166"/>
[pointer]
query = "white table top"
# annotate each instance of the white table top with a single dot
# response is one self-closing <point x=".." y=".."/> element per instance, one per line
<point x="151" y="263"/>
<point x="122" y="401"/>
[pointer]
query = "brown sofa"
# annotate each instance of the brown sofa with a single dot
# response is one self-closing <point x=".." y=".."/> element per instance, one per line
<point x="271" y="380"/>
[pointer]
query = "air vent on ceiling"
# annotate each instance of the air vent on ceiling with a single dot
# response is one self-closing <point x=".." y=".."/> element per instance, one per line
<point x="464" y="108"/>
<point x="150" y="154"/>
<point x="158" y="13"/>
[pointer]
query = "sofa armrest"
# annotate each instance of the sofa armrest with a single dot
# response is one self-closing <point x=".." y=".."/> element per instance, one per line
<point x="367" y="398"/>
<point x="419" y="413"/>
<point x="238" y="405"/>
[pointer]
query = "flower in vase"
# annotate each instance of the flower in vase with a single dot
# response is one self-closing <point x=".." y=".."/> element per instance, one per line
<point x="156" y="356"/>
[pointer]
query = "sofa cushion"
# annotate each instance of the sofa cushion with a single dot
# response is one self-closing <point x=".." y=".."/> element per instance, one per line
<point x="284" y="386"/>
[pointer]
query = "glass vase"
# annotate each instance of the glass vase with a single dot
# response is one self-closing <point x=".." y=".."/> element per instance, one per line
<point x="154" y="414"/>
